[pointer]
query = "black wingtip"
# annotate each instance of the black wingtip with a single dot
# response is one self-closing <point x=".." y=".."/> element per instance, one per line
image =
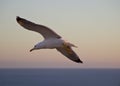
<point x="18" y="18"/>
<point x="78" y="61"/>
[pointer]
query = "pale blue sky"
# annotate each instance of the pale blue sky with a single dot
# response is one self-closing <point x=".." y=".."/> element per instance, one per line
<point x="93" y="25"/>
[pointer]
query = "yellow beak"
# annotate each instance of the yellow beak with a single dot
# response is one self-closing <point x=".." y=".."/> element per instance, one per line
<point x="32" y="49"/>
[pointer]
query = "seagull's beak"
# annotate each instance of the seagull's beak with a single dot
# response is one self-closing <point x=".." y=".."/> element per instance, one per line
<point x="32" y="49"/>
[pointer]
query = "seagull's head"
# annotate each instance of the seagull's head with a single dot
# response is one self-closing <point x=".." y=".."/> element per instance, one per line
<point x="37" y="46"/>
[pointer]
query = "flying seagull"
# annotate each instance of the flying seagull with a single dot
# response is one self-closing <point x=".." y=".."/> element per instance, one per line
<point x="51" y="39"/>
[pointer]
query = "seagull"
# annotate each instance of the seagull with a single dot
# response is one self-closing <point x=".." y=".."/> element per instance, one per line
<point x="51" y="39"/>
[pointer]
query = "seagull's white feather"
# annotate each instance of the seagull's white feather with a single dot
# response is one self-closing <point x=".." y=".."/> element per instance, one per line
<point x="52" y="40"/>
<point x="45" y="31"/>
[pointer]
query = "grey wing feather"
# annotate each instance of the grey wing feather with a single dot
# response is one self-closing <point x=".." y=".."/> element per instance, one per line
<point x="72" y="55"/>
<point x="43" y="30"/>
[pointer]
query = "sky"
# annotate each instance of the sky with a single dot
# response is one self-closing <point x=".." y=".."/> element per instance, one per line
<point x="92" y="25"/>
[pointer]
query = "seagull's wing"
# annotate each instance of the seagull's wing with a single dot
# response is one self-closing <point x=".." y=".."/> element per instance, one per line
<point x="45" y="31"/>
<point x="68" y="52"/>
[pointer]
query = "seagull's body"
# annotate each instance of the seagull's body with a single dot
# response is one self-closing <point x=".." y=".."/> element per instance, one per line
<point x="49" y="43"/>
<point x="51" y="40"/>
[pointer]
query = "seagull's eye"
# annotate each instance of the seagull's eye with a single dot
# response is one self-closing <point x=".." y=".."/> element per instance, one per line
<point x="35" y="46"/>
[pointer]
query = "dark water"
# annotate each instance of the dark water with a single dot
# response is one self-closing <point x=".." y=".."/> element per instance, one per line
<point x="59" y="77"/>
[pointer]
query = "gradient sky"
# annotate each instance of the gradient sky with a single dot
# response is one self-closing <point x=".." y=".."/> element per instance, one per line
<point x="92" y="25"/>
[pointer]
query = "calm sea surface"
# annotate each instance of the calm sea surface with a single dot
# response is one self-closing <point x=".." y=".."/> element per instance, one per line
<point x="59" y="77"/>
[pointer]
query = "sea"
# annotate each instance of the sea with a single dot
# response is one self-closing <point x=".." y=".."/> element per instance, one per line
<point x="59" y="77"/>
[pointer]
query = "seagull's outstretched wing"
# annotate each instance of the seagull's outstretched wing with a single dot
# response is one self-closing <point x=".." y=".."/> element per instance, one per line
<point x="45" y="31"/>
<point x="68" y="52"/>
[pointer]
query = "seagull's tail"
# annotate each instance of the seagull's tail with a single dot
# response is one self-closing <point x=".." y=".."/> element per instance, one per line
<point x="72" y="45"/>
